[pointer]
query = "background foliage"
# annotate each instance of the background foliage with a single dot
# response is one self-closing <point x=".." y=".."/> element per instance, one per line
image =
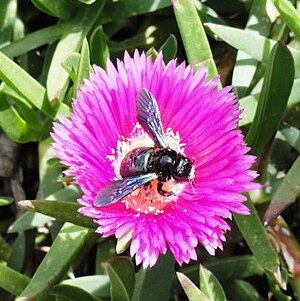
<point x="47" y="250"/>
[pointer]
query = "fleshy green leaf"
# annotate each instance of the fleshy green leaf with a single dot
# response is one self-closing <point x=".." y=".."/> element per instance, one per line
<point x="21" y="251"/>
<point x="29" y="220"/>
<point x="34" y="40"/>
<point x="99" y="47"/>
<point x="5" y="249"/>
<point x="210" y="286"/>
<point x="249" y="105"/>
<point x="75" y="31"/>
<point x="257" y="240"/>
<point x="72" y="293"/>
<point x="193" y="36"/>
<point x="122" y="278"/>
<point x="48" y="173"/>
<point x="84" y="67"/>
<point x="259" y="48"/>
<point x="287" y="192"/>
<point x="147" y="287"/>
<point x="105" y="250"/>
<point x="19" y="80"/>
<point x="192" y="291"/>
<point x="289" y="14"/>
<point x="62" y="9"/>
<point x="273" y="98"/>
<point x="5" y="200"/>
<point x="242" y="290"/>
<point x="55" y="264"/>
<point x="292" y="136"/>
<point x="258" y="23"/>
<point x="227" y="268"/>
<point x="97" y="285"/>
<point x="8" y="14"/>
<point x="65" y="211"/>
<point x="116" y="10"/>
<point x="12" y="281"/>
<point x="169" y="48"/>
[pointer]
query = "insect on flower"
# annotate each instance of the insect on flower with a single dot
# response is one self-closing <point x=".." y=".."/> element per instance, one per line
<point x="145" y="164"/>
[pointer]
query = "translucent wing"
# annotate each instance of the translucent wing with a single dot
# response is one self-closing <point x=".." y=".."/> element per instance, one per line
<point x="117" y="190"/>
<point x="149" y="117"/>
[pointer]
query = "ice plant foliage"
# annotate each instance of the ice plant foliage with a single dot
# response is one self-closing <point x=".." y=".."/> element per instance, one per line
<point x="199" y="121"/>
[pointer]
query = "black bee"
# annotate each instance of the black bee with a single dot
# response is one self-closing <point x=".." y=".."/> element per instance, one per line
<point x="145" y="164"/>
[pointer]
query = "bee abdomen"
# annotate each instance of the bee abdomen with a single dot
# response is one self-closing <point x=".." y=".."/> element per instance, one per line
<point x="136" y="162"/>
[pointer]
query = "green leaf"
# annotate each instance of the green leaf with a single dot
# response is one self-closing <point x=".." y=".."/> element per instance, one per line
<point x="76" y="30"/>
<point x="122" y="278"/>
<point x="289" y="14"/>
<point x="286" y="194"/>
<point x="292" y="136"/>
<point x="257" y="240"/>
<point x="99" y="47"/>
<point x="273" y="98"/>
<point x="34" y="40"/>
<point x="235" y="267"/>
<point x="14" y="126"/>
<point x="242" y="290"/>
<point x="87" y="1"/>
<point x="97" y="285"/>
<point x="65" y="211"/>
<point x="245" y="67"/>
<point x="193" y="36"/>
<point x="84" y="67"/>
<point x="227" y="268"/>
<point x="56" y="263"/>
<point x="21" y="251"/>
<point x="105" y="250"/>
<point x="249" y="105"/>
<point x="276" y="290"/>
<point x="48" y="173"/>
<point x="8" y="14"/>
<point x="71" y="65"/>
<point x="169" y="48"/>
<point x="192" y="291"/>
<point x="62" y="9"/>
<point x="21" y="129"/>
<point x="259" y="48"/>
<point x="72" y="293"/>
<point x="5" y="200"/>
<point x="117" y="10"/>
<point x="12" y="281"/>
<point x="5" y="249"/>
<point x="210" y="286"/>
<point x="29" y="220"/>
<point x="155" y="283"/>
<point x="20" y="81"/>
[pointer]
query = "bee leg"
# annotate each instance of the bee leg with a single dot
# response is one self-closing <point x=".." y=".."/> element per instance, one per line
<point x="162" y="191"/>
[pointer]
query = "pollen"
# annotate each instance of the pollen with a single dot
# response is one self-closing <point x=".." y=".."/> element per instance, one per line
<point x="147" y="199"/>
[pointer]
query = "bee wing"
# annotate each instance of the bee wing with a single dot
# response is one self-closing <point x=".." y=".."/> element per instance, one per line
<point x="118" y="189"/>
<point x="148" y="116"/>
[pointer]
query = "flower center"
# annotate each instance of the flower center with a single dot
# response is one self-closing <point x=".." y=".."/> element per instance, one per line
<point x="148" y="198"/>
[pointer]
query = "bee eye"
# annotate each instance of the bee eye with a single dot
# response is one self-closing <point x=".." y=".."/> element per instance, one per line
<point x="183" y="170"/>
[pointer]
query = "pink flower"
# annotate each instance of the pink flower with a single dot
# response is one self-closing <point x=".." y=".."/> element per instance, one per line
<point x="199" y="121"/>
